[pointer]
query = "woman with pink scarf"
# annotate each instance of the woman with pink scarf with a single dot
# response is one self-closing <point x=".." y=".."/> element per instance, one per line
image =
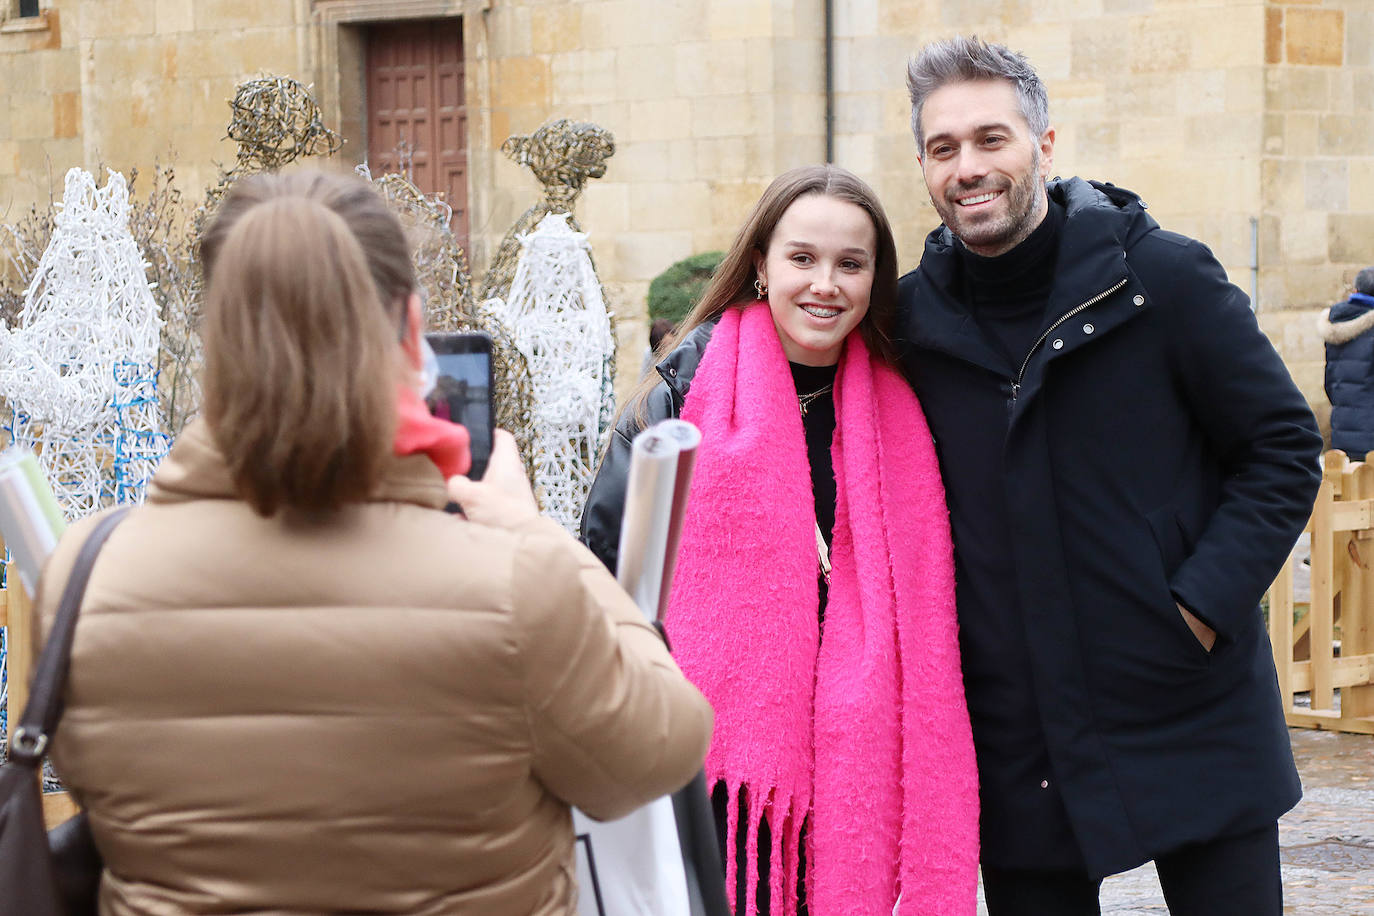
<point x="813" y="602"/>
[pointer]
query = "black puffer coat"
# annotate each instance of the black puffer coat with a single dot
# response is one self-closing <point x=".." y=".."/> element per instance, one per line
<point x="1154" y="449"/>
<point x="1346" y="328"/>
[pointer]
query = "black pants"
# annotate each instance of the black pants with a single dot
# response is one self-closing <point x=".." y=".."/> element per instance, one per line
<point x="741" y="890"/>
<point x="1233" y="876"/>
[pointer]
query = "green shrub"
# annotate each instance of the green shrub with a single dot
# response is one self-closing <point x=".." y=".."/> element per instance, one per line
<point x="673" y="292"/>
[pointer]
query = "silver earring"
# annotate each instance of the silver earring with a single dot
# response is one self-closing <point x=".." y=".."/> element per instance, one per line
<point x="761" y="288"/>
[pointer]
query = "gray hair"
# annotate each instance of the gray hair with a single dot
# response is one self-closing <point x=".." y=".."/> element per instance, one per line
<point x="967" y="58"/>
<point x="1364" y="281"/>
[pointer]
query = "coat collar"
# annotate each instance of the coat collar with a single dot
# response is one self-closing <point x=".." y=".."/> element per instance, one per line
<point x="678" y="367"/>
<point x="195" y="469"/>
<point x="1101" y="223"/>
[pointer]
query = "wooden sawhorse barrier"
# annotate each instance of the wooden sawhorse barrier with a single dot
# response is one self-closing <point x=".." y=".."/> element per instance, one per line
<point x="1332" y="647"/>
<point x="17" y="615"/>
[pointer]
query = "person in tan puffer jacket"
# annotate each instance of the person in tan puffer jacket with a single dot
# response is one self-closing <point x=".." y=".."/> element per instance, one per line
<point x="298" y="685"/>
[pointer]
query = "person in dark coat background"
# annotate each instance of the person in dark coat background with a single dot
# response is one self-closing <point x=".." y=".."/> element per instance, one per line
<point x="1128" y="464"/>
<point x="1345" y="327"/>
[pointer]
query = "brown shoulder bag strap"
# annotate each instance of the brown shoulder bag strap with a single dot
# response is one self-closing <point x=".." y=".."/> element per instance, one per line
<point x="29" y="741"/>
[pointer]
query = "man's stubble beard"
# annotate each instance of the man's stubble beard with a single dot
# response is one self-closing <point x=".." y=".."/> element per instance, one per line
<point x="998" y="236"/>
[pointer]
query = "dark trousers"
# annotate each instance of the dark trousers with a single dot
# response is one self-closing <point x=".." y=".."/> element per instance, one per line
<point x="1233" y="876"/>
<point x="741" y="891"/>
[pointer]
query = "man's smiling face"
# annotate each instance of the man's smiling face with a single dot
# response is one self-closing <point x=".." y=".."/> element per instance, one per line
<point x="984" y="171"/>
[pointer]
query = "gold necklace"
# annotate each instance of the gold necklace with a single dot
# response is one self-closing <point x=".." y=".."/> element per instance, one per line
<point x="804" y="400"/>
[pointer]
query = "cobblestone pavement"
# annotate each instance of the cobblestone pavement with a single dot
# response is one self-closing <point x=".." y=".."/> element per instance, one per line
<point x="1327" y="841"/>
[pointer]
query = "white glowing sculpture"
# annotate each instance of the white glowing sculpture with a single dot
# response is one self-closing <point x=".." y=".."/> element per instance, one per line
<point x="78" y="371"/>
<point x="558" y="319"/>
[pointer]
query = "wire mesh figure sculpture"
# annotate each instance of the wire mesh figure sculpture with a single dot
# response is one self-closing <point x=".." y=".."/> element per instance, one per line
<point x="563" y="154"/>
<point x="558" y="318"/>
<point x="441" y="265"/>
<point x="275" y="120"/>
<point x="80" y="369"/>
<point x="139" y="445"/>
<point x="159" y="223"/>
<point x="21" y="247"/>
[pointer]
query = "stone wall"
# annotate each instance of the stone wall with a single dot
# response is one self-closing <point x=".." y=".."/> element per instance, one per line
<point x="708" y="100"/>
<point x="1317" y="171"/>
<point x="41" y="111"/>
<point x="130" y="83"/>
<point x="1164" y="98"/>
<point x="1242" y="122"/>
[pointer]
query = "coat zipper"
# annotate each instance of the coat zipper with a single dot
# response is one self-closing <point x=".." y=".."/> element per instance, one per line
<point x="1016" y="384"/>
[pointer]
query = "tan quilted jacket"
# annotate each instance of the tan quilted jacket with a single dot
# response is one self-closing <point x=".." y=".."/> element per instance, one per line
<point x="387" y="713"/>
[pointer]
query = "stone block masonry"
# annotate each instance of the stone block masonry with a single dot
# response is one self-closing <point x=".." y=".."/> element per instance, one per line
<point x="1218" y="112"/>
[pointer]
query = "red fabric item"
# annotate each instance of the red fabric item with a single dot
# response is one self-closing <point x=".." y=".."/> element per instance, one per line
<point x="446" y="444"/>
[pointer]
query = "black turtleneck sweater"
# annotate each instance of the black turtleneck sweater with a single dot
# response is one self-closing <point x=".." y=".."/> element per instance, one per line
<point x="1008" y="296"/>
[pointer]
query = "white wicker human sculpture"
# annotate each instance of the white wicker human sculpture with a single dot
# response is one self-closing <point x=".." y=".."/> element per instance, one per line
<point x="558" y="318"/>
<point x="79" y="369"/>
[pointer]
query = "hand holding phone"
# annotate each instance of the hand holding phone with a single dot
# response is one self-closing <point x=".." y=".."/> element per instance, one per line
<point x="502" y="498"/>
<point x="463" y="392"/>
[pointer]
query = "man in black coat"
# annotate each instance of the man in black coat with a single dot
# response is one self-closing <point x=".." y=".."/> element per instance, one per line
<point x="1128" y="463"/>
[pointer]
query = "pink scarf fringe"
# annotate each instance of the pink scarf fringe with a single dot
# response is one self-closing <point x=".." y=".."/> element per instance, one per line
<point x="866" y="732"/>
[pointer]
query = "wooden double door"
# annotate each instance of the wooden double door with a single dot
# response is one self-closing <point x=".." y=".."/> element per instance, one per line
<point x="416" y="112"/>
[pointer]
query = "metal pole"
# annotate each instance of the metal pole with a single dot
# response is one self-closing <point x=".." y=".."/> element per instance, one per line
<point x="829" y="80"/>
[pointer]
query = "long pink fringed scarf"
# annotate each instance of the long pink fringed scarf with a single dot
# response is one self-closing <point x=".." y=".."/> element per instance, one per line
<point x="865" y="732"/>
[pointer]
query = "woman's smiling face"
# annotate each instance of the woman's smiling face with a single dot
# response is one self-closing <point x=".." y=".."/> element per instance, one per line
<point x="819" y="270"/>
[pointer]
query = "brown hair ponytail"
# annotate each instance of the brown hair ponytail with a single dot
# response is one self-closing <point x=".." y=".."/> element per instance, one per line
<point x="302" y="357"/>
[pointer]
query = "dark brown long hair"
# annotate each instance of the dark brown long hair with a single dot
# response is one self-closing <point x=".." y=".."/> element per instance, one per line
<point x="733" y="280"/>
<point x="307" y="277"/>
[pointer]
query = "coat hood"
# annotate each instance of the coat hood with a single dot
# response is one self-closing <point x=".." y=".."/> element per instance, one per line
<point x="1344" y="322"/>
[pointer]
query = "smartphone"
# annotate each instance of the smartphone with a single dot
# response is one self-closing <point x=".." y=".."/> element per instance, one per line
<point x="463" y="392"/>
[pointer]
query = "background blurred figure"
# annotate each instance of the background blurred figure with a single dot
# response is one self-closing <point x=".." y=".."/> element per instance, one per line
<point x="298" y="685"/>
<point x="658" y="331"/>
<point x="1345" y="327"/>
<point x="813" y="601"/>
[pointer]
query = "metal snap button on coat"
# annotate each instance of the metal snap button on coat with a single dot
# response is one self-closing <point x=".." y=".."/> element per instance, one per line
<point x="672" y="372"/>
<point x="1058" y="344"/>
<point x="1088" y="329"/>
<point x="1138" y="299"/>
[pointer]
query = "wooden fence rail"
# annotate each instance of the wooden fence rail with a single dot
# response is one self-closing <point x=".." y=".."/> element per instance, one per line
<point x="1330" y="646"/>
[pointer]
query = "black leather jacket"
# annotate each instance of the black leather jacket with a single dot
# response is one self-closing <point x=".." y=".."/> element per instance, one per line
<point x="606" y="501"/>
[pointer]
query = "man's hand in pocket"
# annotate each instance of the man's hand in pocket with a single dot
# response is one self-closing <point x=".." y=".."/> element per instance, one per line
<point x="1205" y="634"/>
